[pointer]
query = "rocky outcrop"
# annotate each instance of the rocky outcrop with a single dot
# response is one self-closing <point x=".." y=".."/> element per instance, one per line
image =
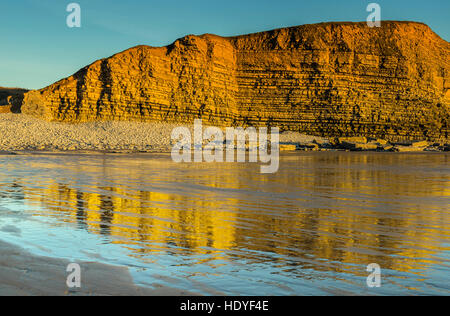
<point x="11" y="99"/>
<point x="330" y="79"/>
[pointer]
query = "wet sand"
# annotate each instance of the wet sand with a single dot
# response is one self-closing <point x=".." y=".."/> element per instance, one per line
<point x="225" y="228"/>
<point x="22" y="273"/>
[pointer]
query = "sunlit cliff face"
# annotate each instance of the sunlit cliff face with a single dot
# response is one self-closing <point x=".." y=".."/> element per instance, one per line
<point x="329" y="79"/>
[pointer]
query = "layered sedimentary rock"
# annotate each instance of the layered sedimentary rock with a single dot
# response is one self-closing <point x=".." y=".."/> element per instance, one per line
<point x="330" y="79"/>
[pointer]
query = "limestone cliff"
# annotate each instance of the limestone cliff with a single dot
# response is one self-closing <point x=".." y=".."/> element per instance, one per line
<point x="329" y="79"/>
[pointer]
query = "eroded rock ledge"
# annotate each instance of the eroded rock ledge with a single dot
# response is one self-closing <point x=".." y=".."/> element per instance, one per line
<point x="329" y="79"/>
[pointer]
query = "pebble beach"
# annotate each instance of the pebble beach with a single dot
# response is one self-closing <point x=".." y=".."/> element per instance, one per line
<point x="19" y="132"/>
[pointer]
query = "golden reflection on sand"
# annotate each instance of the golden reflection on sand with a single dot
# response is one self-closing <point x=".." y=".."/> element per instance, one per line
<point x="319" y="209"/>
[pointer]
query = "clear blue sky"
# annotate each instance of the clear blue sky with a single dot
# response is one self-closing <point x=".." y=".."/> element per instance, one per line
<point x="37" y="48"/>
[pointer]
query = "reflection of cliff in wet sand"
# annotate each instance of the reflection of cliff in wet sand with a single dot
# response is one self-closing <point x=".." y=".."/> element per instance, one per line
<point x="398" y="235"/>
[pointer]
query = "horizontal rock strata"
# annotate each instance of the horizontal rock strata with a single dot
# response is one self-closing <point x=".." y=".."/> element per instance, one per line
<point x="329" y="79"/>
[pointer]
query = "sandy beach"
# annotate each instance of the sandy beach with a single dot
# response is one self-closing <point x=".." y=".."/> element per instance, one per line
<point x="23" y="273"/>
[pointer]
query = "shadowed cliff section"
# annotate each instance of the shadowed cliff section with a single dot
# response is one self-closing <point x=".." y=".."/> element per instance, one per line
<point x="328" y="79"/>
<point x="11" y="99"/>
